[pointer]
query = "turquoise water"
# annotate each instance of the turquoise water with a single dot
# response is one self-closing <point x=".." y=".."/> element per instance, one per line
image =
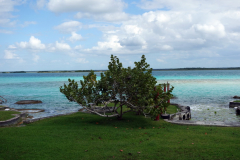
<point x="206" y="92"/>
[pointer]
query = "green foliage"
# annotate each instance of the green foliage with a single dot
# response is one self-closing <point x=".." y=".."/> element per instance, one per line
<point x="133" y="87"/>
<point x="160" y="100"/>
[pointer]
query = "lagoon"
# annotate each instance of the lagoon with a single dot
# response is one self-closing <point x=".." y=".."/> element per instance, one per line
<point x="207" y="92"/>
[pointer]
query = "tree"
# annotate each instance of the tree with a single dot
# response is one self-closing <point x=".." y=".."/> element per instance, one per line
<point x="119" y="88"/>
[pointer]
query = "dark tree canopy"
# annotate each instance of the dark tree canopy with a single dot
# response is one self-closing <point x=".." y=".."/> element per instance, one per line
<point x="128" y="89"/>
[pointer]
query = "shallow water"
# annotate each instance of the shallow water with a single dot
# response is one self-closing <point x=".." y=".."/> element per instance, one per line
<point x="206" y="92"/>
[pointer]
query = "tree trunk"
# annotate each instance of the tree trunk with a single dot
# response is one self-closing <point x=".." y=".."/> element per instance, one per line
<point x="121" y="113"/>
<point x="138" y="112"/>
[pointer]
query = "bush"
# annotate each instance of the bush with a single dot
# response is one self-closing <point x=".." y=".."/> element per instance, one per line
<point x="134" y="88"/>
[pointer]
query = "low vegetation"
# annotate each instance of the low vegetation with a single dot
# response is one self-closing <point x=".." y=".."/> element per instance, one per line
<point x="237" y="101"/>
<point x="5" y="115"/>
<point x="134" y="87"/>
<point x="88" y="136"/>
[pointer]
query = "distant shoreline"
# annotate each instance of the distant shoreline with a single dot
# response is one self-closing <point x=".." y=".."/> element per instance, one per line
<point x="186" y="69"/>
<point x="170" y="69"/>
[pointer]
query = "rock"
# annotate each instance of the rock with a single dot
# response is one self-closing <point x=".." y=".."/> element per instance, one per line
<point x="238" y="110"/>
<point x="30" y="110"/>
<point x="236" y="97"/>
<point x="28" y="102"/>
<point x="185" y="109"/>
<point x="234" y="104"/>
<point x="188" y="108"/>
<point x="165" y="116"/>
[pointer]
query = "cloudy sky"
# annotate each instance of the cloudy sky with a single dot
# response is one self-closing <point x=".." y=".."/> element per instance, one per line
<point x="82" y="34"/>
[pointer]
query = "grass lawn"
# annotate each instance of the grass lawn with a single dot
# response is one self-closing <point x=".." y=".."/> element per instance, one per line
<point x="5" y="115"/>
<point x="237" y="101"/>
<point x="88" y="136"/>
<point x="171" y="109"/>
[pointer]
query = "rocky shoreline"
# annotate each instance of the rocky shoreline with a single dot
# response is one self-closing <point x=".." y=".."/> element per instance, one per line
<point x="182" y="118"/>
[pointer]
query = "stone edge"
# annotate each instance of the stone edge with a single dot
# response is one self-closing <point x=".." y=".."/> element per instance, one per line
<point x="234" y="104"/>
<point x="183" y="110"/>
<point x="27" y="121"/>
<point x="13" y="120"/>
<point x="198" y="123"/>
<point x="17" y="118"/>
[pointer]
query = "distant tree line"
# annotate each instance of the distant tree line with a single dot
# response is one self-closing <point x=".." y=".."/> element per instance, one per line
<point x="198" y="68"/>
<point x="14" y="72"/>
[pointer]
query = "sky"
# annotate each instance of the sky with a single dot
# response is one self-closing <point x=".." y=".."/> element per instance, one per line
<point x="38" y="35"/>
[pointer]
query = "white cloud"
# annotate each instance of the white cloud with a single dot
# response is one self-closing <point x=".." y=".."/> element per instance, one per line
<point x="70" y="26"/>
<point x="110" y="17"/>
<point x="81" y="60"/>
<point x="75" y="37"/>
<point x="160" y="60"/>
<point x="12" y="47"/>
<point x="132" y="29"/>
<point x="166" y="47"/>
<point x="193" y="29"/>
<point x="6" y="7"/>
<point x="187" y="5"/>
<point x="78" y="47"/>
<point x="41" y="3"/>
<point x="27" y="23"/>
<point x="9" y="55"/>
<point x="5" y="31"/>
<point x="111" y="44"/>
<point x="62" y="46"/>
<point x="134" y="42"/>
<point x="22" y="44"/>
<point x="89" y="6"/>
<point x="216" y="30"/>
<point x="172" y="31"/>
<point x="103" y="10"/>
<point x="7" y="22"/>
<point x="33" y="43"/>
<point x="160" y="17"/>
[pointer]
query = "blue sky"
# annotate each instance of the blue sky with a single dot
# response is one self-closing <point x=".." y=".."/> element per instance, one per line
<point x="79" y="34"/>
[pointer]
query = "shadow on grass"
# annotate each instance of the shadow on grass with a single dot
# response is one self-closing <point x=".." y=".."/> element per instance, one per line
<point x="129" y="120"/>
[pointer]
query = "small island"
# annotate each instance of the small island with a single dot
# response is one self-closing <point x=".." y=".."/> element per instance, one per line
<point x="69" y="71"/>
<point x="15" y="72"/>
<point x="165" y="69"/>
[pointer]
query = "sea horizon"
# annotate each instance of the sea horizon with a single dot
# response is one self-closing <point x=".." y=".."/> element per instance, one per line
<point x="154" y="69"/>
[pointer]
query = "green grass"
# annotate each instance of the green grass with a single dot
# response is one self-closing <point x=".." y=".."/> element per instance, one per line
<point x="5" y="115"/>
<point x="237" y="101"/>
<point x="1" y="106"/>
<point x="88" y="136"/>
<point x="172" y="109"/>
